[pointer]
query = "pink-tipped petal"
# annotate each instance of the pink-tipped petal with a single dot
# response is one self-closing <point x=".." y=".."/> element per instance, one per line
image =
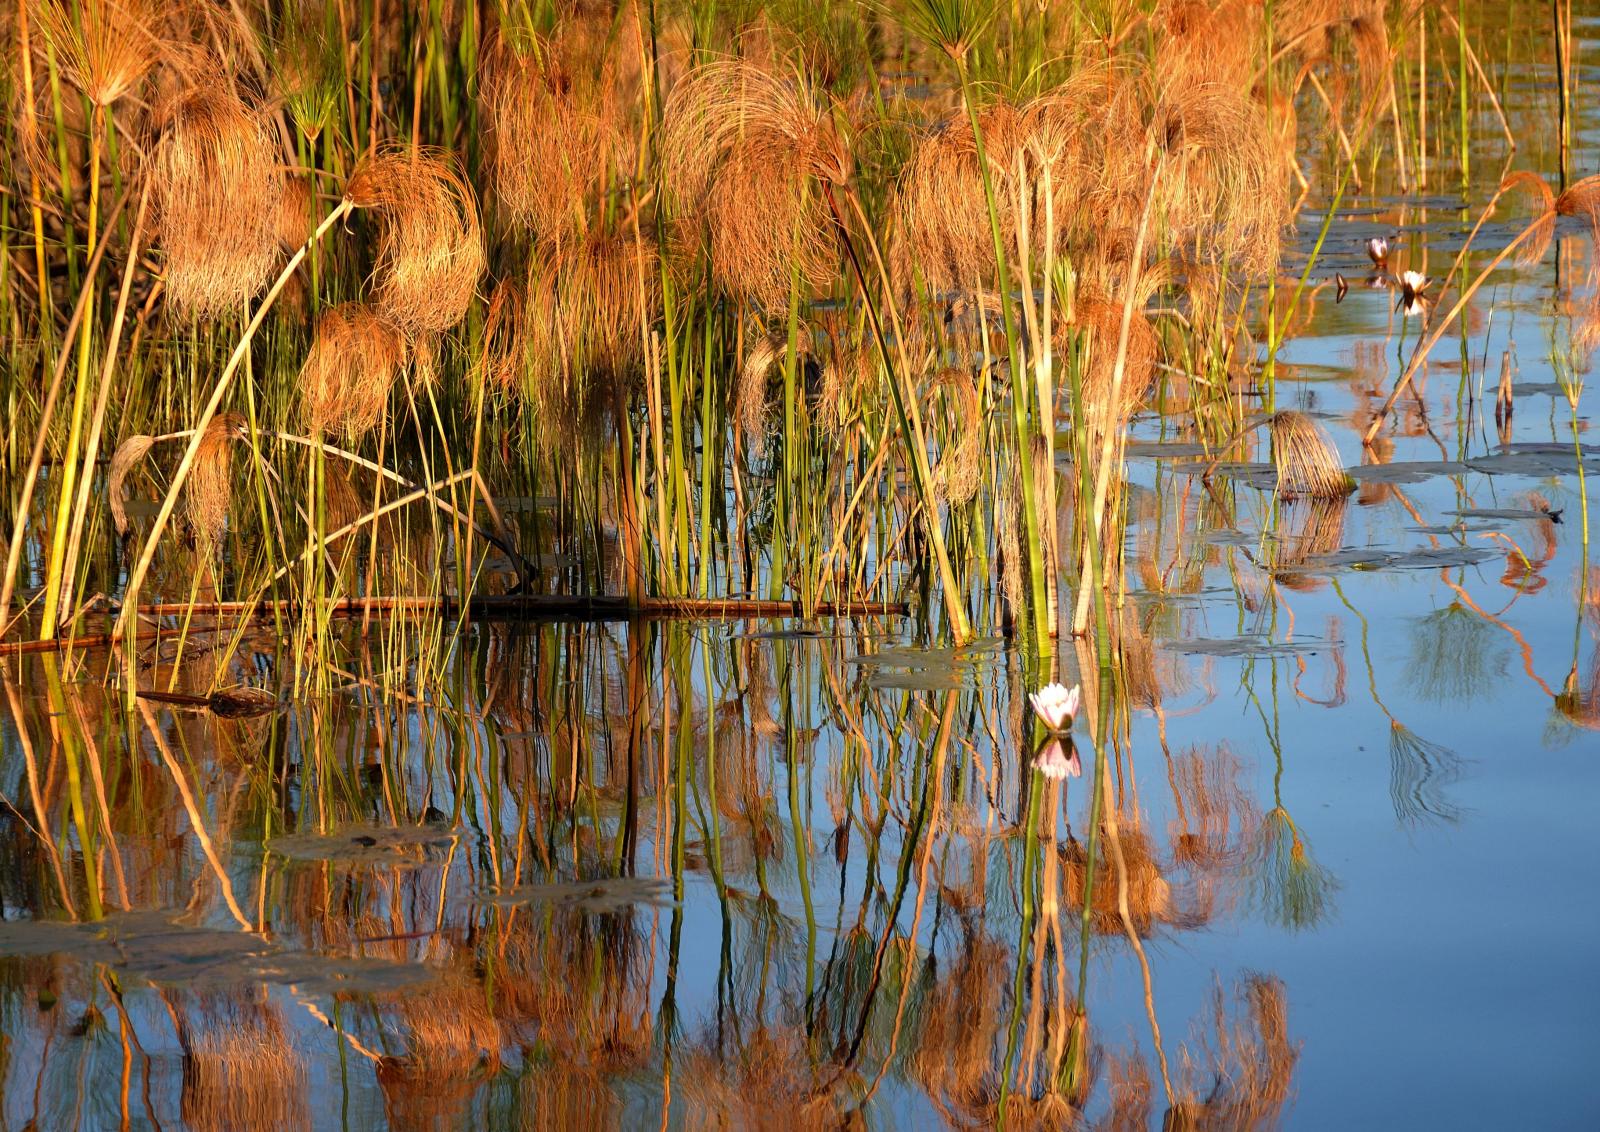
<point x="1055" y="705"/>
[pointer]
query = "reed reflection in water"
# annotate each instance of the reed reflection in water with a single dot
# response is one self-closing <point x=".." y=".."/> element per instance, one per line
<point x="611" y="876"/>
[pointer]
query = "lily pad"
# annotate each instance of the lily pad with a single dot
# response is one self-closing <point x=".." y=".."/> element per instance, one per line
<point x="1166" y="449"/>
<point x="1501" y="513"/>
<point x="918" y="679"/>
<point x="155" y="948"/>
<point x="604" y="895"/>
<point x="798" y="633"/>
<point x="368" y="845"/>
<point x="1423" y="558"/>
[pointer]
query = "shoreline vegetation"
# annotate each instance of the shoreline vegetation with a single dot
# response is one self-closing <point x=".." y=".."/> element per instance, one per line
<point x="837" y="303"/>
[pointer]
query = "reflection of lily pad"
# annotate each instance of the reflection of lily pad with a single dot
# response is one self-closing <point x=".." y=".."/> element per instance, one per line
<point x="606" y="894"/>
<point x="909" y="656"/>
<point x="1501" y="513"/>
<point x="1241" y="646"/>
<point x="923" y="669"/>
<point x="152" y="947"/>
<point x="918" y="679"/>
<point x="797" y="633"/>
<point x="1423" y="558"/>
<point x="368" y="845"/>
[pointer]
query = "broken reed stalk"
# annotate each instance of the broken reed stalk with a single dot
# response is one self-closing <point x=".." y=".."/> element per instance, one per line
<point x="1420" y="354"/>
<point x="170" y="502"/>
<point x="30" y="479"/>
<point x="135" y="448"/>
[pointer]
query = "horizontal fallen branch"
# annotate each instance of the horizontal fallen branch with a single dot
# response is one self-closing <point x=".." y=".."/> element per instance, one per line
<point x="507" y="607"/>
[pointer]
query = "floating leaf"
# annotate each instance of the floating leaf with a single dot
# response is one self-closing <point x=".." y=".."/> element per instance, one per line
<point x="368" y="845"/>
<point x="603" y="895"/>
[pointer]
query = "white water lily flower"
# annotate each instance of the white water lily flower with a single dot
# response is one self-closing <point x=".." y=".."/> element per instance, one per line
<point x="1055" y="705"/>
<point x="1378" y="250"/>
<point x="1056" y="761"/>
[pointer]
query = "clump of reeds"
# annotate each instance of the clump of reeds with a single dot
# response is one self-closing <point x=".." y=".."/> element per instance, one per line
<point x="345" y="381"/>
<point x="430" y="242"/>
<point x="504" y="343"/>
<point x="1305" y="459"/>
<point x="745" y="155"/>
<point x="959" y="472"/>
<point x="1581" y="198"/>
<point x="307" y="70"/>
<point x="551" y="125"/>
<point x="1200" y="43"/>
<point x="587" y="315"/>
<point x="1097" y="322"/>
<point x="218" y="193"/>
<point x="1312" y="30"/>
<point x="941" y="213"/>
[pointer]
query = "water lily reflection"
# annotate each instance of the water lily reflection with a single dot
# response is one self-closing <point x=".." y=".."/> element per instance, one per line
<point x="1056" y="759"/>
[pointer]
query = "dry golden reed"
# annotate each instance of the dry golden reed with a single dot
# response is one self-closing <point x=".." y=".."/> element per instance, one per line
<point x="750" y="386"/>
<point x="123" y="461"/>
<point x="1074" y="168"/>
<point x="959" y="472"/>
<point x="941" y="214"/>
<point x="218" y="195"/>
<point x="1305" y="459"/>
<point x="209" y="489"/>
<point x="504" y="341"/>
<point x="745" y="154"/>
<point x="1312" y="30"/>
<point x="551" y="126"/>
<point x="1544" y="223"/>
<point x="588" y="311"/>
<point x="1098" y="323"/>
<point x="295" y="221"/>
<point x="345" y="381"/>
<point x="430" y="242"/>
